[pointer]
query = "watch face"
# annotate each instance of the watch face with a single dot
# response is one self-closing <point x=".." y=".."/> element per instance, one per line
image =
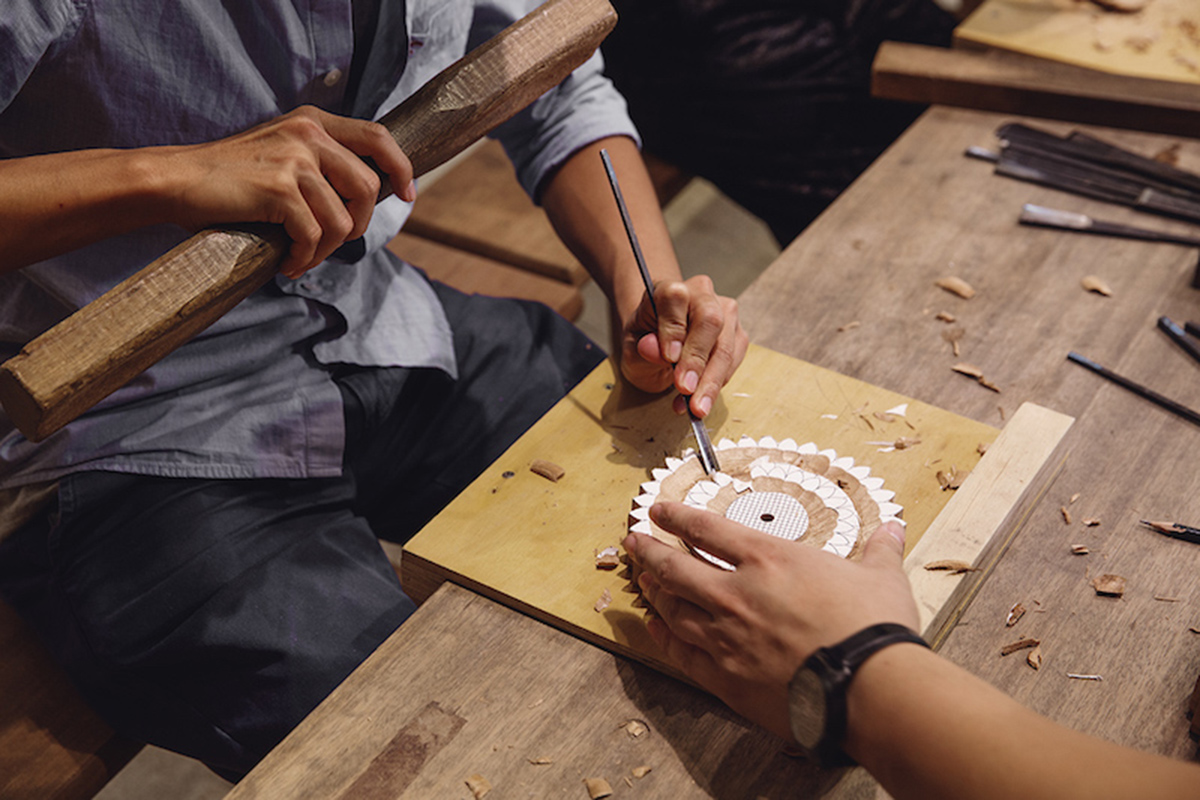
<point x="807" y="708"/>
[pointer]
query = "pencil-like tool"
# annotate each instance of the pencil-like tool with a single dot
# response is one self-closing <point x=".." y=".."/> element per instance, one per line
<point x="1179" y="336"/>
<point x="1175" y="530"/>
<point x="1136" y="388"/>
<point x="707" y="454"/>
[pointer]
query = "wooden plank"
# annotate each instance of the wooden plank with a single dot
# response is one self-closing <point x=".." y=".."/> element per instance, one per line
<point x="51" y="743"/>
<point x="524" y="692"/>
<point x="83" y="359"/>
<point x="529" y="543"/>
<point x="474" y="274"/>
<point x="1016" y="84"/>
<point x="923" y="212"/>
<point x="478" y="206"/>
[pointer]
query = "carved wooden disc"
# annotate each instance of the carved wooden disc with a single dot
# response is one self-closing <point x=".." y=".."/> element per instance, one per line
<point x="795" y="492"/>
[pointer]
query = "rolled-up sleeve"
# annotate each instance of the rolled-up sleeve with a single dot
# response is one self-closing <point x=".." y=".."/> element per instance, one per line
<point x="582" y="109"/>
<point x="27" y="31"/>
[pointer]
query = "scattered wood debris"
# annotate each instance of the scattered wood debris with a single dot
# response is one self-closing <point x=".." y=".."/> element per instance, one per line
<point x="884" y="416"/>
<point x="1014" y="615"/>
<point x="597" y="788"/>
<point x="952" y="337"/>
<point x="947" y="317"/>
<point x="972" y="371"/>
<point x="905" y="442"/>
<point x="1079" y="549"/>
<point x="1169" y="155"/>
<point x="950" y="565"/>
<point x="547" y="469"/>
<point x="608" y="558"/>
<point x="628" y="781"/>
<point x="1082" y="677"/>
<point x="1194" y="629"/>
<point x="951" y="479"/>
<point x="1020" y="644"/>
<point x="956" y="285"/>
<point x="981" y="448"/>
<point x="1095" y="284"/>
<point x="1074" y="497"/>
<point x="604" y="602"/>
<point x="849" y="326"/>
<point x="635" y="728"/>
<point x="478" y="785"/>
<point x="863" y="417"/>
<point x="1034" y="657"/>
<point x="1001" y="410"/>
<point x="1066" y="515"/>
<point x="1162" y="598"/>
<point x="539" y="762"/>
<point x="1109" y="585"/>
<point x="641" y="772"/>
<point x="1090" y="522"/>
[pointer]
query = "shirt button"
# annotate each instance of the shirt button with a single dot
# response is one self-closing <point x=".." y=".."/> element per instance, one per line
<point x="333" y="76"/>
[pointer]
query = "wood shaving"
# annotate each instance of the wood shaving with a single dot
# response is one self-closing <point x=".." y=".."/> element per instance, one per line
<point x="1014" y="615"/>
<point x="1194" y="629"/>
<point x="1097" y="285"/>
<point x="884" y="416"/>
<point x="635" y="728"/>
<point x="956" y="285"/>
<point x="985" y="383"/>
<point x="1066" y="515"/>
<point x="604" y="602"/>
<point x="1019" y="644"/>
<point x="1082" y="677"/>
<point x="547" y="469"/>
<point x="608" y="558"/>
<point x="1034" y="658"/>
<point x="1165" y="599"/>
<point x="905" y="442"/>
<point x="863" y="417"/>
<point x="1109" y="585"/>
<point x="951" y="565"/>
<point x="1169" y="155"/>
<point x="478" y="785"/>
<point x="641" y="772"/>
<point x="1079" y="549"/>
<point x="972" y="371"/>
<point x="597" y="788"/>
<point x="951" y="479"/>
<point x="1074" y="497"/>
<point x="947" y="317"/>
<point x="628" y="781"/>
<point x="538" y="762"/>
<point x="1090" y="522"/>
<point x="849" y="326"/>
<point x="1001" y="410"/>
<point x="952" y="337"/>
<point x="981" y="448"/>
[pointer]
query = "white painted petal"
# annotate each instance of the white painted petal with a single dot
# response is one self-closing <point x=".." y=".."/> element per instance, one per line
<point x="845" y="462"/>
<point x="641" y="527"/>
<point x="830" y="454"/>
<point x="675" y="463"/>
<point x="721" y="479"/>
<point x="900" y="410"/>
<point x="645" y="500"/>
<point x="808" y="449"/>
<point x="890" y="510"/>
<point x="651" y="487"/>
<point x="746" y="441"/>
<point x="741" y="486"/>
<point x="860" y="472"/>
<point x="829" y="416"/>
<point x="640" y="513"/>
<point x="767" y="441"/>
<point x="726" y="444"/>
<point x="872" y="483"/>
<point x="789" y="445"/>
<point x="660" y="474"/>
<point x="882" y="495"/>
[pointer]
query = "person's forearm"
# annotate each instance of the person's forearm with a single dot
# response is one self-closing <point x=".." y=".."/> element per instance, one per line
<point x="927" y="729"/>
<point x="580" y="204"/>
<point x="52" y="204"/>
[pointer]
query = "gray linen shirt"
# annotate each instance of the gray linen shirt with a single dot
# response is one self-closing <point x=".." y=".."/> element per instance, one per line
<point x="250" y="397"/>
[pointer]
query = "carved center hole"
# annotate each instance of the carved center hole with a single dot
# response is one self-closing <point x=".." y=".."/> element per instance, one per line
<point x="767" y="517"/>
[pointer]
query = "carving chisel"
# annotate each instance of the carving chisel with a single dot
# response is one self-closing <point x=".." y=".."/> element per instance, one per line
<point x="1082" y="223"/>
<point x="707" y="455"/>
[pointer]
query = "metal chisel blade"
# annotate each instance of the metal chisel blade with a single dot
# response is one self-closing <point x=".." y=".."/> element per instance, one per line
<point x="704" y="448"/>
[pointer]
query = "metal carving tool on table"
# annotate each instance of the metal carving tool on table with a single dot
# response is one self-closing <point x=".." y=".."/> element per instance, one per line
<point x="705" y="450"/>
<point x="1082" y="223"/>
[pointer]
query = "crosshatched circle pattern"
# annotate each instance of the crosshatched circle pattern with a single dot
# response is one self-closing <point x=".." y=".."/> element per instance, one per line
<point x="770" y="512"/>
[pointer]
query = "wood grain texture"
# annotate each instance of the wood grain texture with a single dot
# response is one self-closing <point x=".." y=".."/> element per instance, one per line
<point x="52" y="744"/>
<point x="479" y="207"/>
<point x="1018" y="84"/>
<point x="923" y="212"/>
<point x="530" y="543"/>
<point x="74" y="365"/>
<point x="475" y="274"/>
<point x="528" y="693"/>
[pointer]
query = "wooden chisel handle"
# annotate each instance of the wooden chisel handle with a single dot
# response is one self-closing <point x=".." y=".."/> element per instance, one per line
<point x="76" y="364"/>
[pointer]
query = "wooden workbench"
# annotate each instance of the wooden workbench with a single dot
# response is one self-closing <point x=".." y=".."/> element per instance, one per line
<point x="469" y="687"/>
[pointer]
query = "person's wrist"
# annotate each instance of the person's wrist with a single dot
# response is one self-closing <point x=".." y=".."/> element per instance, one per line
<point x="885" y="673"/>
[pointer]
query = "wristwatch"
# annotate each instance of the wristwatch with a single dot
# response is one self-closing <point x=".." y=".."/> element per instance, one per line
<point x="817" y="692"/>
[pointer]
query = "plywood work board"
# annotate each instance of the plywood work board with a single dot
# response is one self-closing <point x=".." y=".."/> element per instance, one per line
<point x="1161" y="42"/>
<point x="530" y="543"/>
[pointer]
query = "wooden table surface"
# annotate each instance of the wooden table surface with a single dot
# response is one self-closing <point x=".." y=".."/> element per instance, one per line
<point x="468" y="687"/>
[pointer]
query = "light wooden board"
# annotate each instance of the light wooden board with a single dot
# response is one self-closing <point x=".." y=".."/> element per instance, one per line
<point x="530" y="543"/>
<point x="1161" y="42"/>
